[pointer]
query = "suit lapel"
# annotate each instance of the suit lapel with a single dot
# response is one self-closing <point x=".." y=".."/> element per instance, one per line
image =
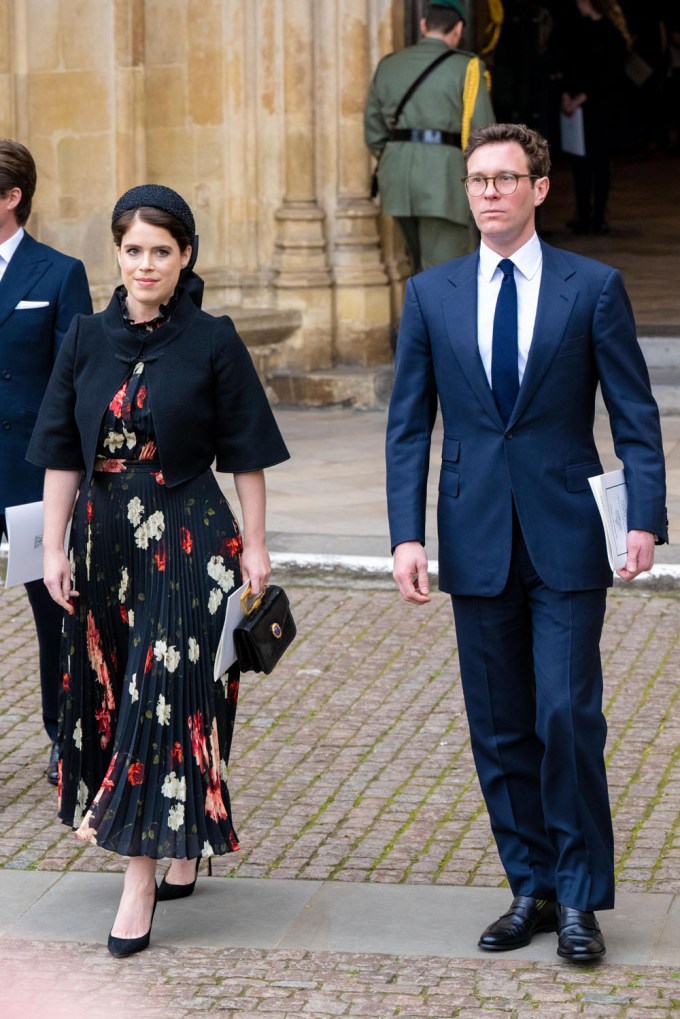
<point x="25" y="268"/>
<point x="459" y="308"/>
<point x="555" y="301"/>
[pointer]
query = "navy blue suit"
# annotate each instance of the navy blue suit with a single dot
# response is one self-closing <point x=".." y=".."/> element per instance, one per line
<point x="29" y="341"/>
<point x="521" y="546"/>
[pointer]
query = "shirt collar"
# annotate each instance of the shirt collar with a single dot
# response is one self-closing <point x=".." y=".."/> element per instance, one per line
<point x="8" y="247"/>
<point x="527" y="259"/>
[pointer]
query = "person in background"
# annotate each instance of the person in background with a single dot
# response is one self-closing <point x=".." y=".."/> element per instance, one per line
<point x="143" y="398"/>
<point x="40" y="291"/>
<point x="420" y="156"/>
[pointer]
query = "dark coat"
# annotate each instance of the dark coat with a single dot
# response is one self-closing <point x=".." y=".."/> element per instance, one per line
<point x="206" y="398"/>
<point x="541" y="460"/>
<point x="30" y="338"/>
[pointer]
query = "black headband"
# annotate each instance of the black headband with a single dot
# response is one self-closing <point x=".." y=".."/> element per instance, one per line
<point x="156" y="196"/>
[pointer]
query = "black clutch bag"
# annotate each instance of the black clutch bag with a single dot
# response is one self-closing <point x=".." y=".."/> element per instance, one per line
<point x="266" y="631"/>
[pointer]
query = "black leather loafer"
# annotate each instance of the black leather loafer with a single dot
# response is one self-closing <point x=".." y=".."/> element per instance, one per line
<point x="580" y="937"/>
<point x="527" y="916"/>
<point x="52" y="769"/>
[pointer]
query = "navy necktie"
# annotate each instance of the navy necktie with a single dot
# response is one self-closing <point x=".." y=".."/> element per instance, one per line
<point x="504" y="368"/>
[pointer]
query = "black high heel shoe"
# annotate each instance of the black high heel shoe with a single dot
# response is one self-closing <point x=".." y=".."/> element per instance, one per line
<point x="120" y="947"/>
<point x="168" y="891"/>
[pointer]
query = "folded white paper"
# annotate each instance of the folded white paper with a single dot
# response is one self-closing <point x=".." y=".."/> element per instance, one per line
<point x="25" y="305"/>
<point x="611" y="496"/>
<point x="572" y="133"/>
<point x="226" y="651"/>
<point x="25" y="540"/>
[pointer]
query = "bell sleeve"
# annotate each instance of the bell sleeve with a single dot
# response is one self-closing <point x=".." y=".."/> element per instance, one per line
<point x="55" y="443"/>
<point x="247" y="436"/>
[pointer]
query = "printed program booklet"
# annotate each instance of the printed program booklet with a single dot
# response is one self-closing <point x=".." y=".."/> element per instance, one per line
<point x="611" y="496"/>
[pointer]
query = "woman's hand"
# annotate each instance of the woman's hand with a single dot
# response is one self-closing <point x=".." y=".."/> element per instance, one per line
<point x="58" y="579"/>
<point x="255" y="567"/>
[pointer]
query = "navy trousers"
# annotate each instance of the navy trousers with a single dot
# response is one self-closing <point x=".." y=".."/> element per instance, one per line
<point x="532" y="682"/>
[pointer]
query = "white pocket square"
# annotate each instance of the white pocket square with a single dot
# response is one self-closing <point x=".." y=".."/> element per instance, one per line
<point x="24" y="305"/>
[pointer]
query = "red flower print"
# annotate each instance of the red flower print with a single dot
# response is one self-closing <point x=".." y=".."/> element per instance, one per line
<point x="124" y="614"/>
<point x="233" y="842"/>
<point x="148" y="451"/>
<point x="116" y="404"/>
<point x="135" y="775"/>
<point x="233" y="546"/>
<point x="186" y="539"/>
<point x="65" y="680"/>
<point x="232" y="691"/>
<point x="95" y="654"/>
<point x="199" y="744"/>
<point x="177" y="753"/>
<point x="90" y="512"/>
<point x="59" y="784"/>
<point x="107" y="783"/>
<point x="149" y="659"/>
<point x="141" y="396"/>
<point x="158" y="477"/>
<point x="103" y="716"/>
<point x="161" y="560"/>
<point x="214" y="806"/>
<point x="110" y="465"/>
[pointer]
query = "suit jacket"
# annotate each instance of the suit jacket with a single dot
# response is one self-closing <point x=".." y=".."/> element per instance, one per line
<point x="418" y="179"/>
<point x="29" y="341"/>
<point x="584" y="334"/>
<point x="206" y="398"/>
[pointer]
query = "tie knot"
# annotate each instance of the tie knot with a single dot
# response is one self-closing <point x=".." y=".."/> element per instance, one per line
<point x="507" y="267"/>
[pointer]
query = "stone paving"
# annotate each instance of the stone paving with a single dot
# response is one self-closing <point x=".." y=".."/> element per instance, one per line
<point x="351" y="762"/>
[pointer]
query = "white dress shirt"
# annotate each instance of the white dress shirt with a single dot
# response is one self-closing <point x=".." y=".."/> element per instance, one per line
<point x="528" y="262"/>
<point x="7" y="249"/>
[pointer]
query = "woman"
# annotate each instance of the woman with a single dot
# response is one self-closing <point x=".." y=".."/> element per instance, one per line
<point x="144" y="396"/>
<point x="595" y="49"/>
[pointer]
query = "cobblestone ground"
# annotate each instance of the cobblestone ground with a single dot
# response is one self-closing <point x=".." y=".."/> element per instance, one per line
<point x="351" y="762"/>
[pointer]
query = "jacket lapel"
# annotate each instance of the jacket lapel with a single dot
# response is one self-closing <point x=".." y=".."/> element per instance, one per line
<point x="459" y="308"/>
<point x="25" y="268"/>
<point x="555" y="301"/>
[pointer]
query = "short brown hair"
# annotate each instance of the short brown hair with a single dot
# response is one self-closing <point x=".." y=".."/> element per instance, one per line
<point x="535" y="146"/>
<point x="17" y="170"/>
<point x="156" y="217"/>
<point x="441" y="19"/>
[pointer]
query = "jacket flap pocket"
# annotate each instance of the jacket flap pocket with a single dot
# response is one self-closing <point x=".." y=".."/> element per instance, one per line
<point x="576" y="476"/>
<point x="449" y="482"/>
<point x="450" y="448"/>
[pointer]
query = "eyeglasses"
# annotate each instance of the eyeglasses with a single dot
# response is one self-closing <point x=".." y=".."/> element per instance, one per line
<point x="505" y="183"/>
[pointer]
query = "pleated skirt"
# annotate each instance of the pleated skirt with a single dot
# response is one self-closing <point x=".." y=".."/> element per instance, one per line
<point x="146" y="732"/>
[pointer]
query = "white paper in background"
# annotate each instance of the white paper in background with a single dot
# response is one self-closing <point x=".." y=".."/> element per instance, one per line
<point x="572" y="134"/>
<point x="25" y="540"/>
<point x="226" y="652"/>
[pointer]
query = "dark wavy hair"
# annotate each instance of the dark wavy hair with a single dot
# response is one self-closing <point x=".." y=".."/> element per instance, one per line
<point x="17" y="170"/>
<point x="534" y="144"/>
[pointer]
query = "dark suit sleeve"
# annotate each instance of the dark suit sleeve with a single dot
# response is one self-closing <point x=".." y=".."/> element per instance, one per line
<point x="413" y="409"/>
<point x="633" y="414"/>
<point x="74" y="299"/>
<point x="55" y="443"/>
<point x="247" y="437"/>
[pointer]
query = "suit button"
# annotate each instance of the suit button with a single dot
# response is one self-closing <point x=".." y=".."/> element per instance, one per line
<point x="509" y="435"/>
<point x="6" y="425"/>
<point x="6" y="374"/>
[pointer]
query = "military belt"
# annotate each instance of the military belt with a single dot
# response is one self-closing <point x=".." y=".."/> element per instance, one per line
<point x="426" y="136"/>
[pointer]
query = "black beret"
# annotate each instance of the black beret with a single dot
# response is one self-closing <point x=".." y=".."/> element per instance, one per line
<point x="157" y="196"/>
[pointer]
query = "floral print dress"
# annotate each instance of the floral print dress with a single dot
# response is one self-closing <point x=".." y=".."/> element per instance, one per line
<point x="146" y="731"/>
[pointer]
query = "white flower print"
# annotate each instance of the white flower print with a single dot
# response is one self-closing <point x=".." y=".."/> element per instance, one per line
<point x="194" y="650"/>
<point x="174" y="788"/>
<point x="176" y="816"/>
<point x="88" y="551"/>
<point x="78" y="734"/>
<point x="124" y="576"/>
<point x="130" y="438"/>
<point x="223" y="770"/>
<point x="159" y="650"/>
<point x="82" y="800"/>
<point x="151" y="528"/>
<point x="218" y="572"/>
<point x="215" y="600"/>
<point x="113" y="441"/>
<point x="172" y="657"/>
<point x="134" y="692"/>
<point x="207" y="850"/>
<point x="139" y="368"/>
<point x="131" y="617"/>
<point x="135" y="510"/>
<point x="163" y="711"/>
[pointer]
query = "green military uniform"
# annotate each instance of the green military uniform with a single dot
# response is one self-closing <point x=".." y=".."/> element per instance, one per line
<point x="420" y="182"/>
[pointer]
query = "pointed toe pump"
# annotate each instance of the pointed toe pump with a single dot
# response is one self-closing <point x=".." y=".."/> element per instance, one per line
<point x="122" y="947"/>
<point x="168" y="891"/>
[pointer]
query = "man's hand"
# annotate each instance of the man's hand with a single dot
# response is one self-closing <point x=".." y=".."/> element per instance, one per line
<point x="410" y="572"/>
<point x="640" y="554"/>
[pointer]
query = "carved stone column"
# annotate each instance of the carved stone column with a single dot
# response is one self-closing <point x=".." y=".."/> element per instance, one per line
<point x="362" y="298"/>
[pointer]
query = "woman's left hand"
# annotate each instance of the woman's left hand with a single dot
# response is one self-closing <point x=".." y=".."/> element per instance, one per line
<point x="256" y="567"/>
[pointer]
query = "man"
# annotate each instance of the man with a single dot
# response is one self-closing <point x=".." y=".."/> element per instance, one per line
<point x="514" y="355"/>
<point x="40" y="292"/>
<point x="420" y="156"/>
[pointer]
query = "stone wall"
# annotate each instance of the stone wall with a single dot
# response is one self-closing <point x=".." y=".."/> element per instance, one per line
<point x="252" y="109"/>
